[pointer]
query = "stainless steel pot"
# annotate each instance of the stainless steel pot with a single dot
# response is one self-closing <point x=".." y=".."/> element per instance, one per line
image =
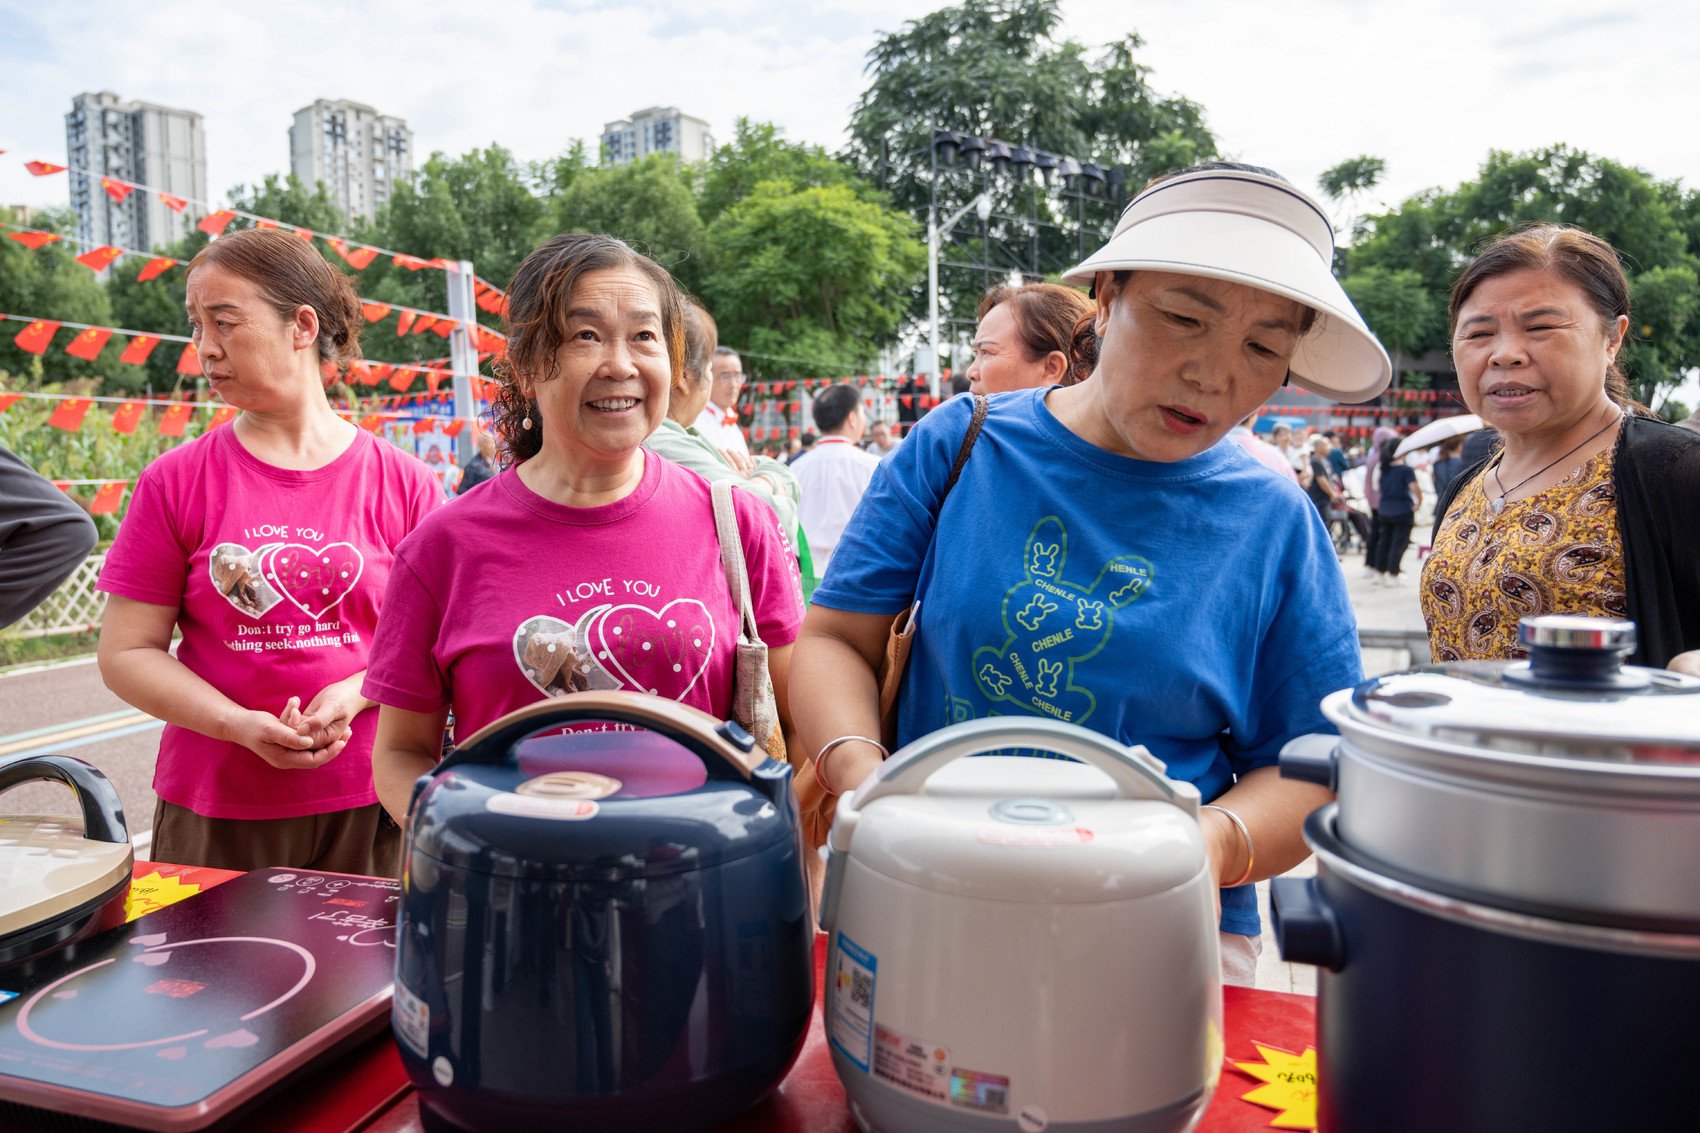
<point x="1567" y="786"/>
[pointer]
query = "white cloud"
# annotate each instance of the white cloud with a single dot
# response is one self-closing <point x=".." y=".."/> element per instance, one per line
<point x="1431" y="85"/>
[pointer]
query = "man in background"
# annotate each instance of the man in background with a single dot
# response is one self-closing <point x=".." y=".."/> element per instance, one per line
<point x="880" y="441"/>
<point x="718" y="420"/>
<point x="836" y="474"/>
<point x="482" y="466"/>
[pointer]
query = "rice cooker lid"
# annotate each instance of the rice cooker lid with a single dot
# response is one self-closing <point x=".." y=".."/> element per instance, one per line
<point x="1025" y="829"/>
<point x="593" y="805"/>
<point x="51" y="867"/>
<point x="1573" y="700"/>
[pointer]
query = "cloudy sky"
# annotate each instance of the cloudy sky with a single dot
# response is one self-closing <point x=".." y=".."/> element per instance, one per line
<point x="1430" y="85"/>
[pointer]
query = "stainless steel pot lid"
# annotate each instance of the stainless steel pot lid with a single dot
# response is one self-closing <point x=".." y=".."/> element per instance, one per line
<point x="1573" y="699"/>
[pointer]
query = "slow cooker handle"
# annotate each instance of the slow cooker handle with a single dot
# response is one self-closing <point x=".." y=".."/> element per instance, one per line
<point x="1313" y="758"/>
<point x="103" y="810"/>
<point x="697" y="731"/>
<point x="1306" y="929"/>
<point x="1136" y="772"/>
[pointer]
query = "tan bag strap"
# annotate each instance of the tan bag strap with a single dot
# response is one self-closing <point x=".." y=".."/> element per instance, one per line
<point x="732" y="556"/>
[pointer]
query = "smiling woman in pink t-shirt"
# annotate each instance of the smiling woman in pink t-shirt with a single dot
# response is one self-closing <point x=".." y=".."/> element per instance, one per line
<point x="268" y="543"/>
<point x="589" y="564"/>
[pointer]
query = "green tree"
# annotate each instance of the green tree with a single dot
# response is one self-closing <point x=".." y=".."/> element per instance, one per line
<point x="1398" y="307"/>
<point x="647" y="203"/>
<point x="1002" y="69"/>
<point x="1652" y="224"/>
<point x="817" y="276"/>
<point x="759" y="152"/>
<point x="285" y="198"/>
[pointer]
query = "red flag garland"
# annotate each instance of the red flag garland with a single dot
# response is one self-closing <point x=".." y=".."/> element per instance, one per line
<point x="224" y="414"/>
<point x="422" y="322"/>
<point x="372" y="422"/>
<point x="375" y="311"/>
<point x="35" y="337"/>
<point x="117" y="190"/>
<point x="175" y="419"/>
<point x="6" y="400"/>
<point x="69" y="416"/>
<point x="155" y="267"/>
<point x="189" y="362"/>
<point x="411" y="263"/>
<point x="404" y="323"/>
<point x="43" y="168"/>
<point x="216" y="222"/>
<point x="89" y="343"/>
<point x="137" y="352"/>
<point x="99" y="259"/>
<point x="107" y="499"/>
<point x="126" y="417"/>
<point x="358" y="258"/>
<point x="35" y="240"/>
<point x="175" y="204"/>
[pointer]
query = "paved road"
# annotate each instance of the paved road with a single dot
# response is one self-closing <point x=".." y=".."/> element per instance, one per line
<point x="67" y="709"/>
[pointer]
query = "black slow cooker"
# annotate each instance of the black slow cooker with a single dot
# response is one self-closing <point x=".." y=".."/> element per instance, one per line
<point x="1505" y="909"/>
<point x="603" y="928"/>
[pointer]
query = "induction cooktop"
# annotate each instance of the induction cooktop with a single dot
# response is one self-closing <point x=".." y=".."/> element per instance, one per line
<point x="180" y="1018"/>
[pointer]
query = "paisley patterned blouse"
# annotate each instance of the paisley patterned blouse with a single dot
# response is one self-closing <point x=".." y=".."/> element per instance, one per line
<point x="1557" y="552"/>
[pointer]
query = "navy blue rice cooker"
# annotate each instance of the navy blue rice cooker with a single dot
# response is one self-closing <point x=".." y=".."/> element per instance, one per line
<point x="603" y="928"/>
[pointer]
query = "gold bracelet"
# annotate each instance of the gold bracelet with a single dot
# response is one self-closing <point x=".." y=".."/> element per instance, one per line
<point x="1250" y="853"/>
<point x="820" y="758"/>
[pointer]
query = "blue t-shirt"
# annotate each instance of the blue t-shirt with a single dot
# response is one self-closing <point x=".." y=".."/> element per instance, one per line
<point x="1195" y="607"/>
<point x="1396" y="481"/>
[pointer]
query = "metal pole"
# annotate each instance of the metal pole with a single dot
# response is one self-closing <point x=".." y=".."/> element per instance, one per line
<point x="463" y="352"/>
<point x="933" y="296"/>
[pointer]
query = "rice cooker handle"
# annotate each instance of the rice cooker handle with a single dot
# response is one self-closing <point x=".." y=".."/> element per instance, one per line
<point x="103" y="810"/>
<point x="693" y="729"/>
<point x="1136" y="772"/>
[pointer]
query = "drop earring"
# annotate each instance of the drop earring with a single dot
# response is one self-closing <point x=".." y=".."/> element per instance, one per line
<point x="526" y="423"/>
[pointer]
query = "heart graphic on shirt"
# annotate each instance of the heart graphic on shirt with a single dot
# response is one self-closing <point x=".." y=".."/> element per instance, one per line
<point x="315" y="579"/>
<point x="664" y="652"/>
<point x="555" y="657"/>
<point x="239" y="575"/>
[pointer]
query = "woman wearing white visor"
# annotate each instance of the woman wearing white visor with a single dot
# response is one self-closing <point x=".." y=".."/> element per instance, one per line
<point x="1105" y="556"/>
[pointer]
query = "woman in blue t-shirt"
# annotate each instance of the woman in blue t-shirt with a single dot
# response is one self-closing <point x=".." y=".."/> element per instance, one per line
<point x="1390" y="531"/>
<point x="1102" y="558"/>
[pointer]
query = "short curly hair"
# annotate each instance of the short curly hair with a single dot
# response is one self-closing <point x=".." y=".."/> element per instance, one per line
<point x="538" y="301"/>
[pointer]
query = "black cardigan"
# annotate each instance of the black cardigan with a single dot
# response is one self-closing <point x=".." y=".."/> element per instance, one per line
<point x="1656" y="474"/>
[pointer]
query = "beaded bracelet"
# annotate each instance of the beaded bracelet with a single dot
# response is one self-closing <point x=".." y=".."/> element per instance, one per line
<point x="1250" y="853"/>
<point x="820" y="758"/>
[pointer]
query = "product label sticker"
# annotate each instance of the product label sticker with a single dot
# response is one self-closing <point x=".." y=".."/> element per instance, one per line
<point x="412" y="1019"/>
<point x="910" y="1064"/>
<point x="1004" y="834"/>
<point x="983" y="1093"/>
<point x="851" y="1023"/>
<point x="538" y="806"/>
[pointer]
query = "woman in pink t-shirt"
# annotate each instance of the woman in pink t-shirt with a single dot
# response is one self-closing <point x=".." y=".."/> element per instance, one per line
<point x="268" y="544"/>
<point x="589" y="564"/>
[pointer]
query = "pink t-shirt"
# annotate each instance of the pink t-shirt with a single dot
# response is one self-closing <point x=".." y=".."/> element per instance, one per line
<point x="277" y="576"/>
<point x="504" y="598"/>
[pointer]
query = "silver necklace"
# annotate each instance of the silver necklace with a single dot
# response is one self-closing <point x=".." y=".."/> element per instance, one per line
<point x="1498" y="504"/>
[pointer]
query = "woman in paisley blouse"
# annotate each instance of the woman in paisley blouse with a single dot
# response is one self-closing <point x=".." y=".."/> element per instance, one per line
<point x="1590" y="506"/>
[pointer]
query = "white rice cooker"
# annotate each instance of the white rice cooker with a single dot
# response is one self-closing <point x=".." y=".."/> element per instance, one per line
<point x="1021" y="943"/>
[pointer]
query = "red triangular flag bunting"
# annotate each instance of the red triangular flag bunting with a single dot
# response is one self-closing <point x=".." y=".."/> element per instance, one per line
<point x="106" y="500"/>
<point x="6" y="400"/>
<point x="175" y="204"/>
<point x="99" y="259"/>
<point x="425" y="425"/>
<point x="453" y="428"/>
<point x="216" y="222"/>
<point x="35" y="337"/>
<point x="34" y="240"/>
<point x="117" y="190"/>
<point x="189" y="362"/>
<point x="88" y="343"/>
<point x="411" y="263"/>
<point x="443" y="327"/>
<point x="374" y="311"/>
<point x="404" y="323"/>
<point x="69" y="416"/>
<point x="372" y="422"/>
<point x="222" y="415"/>
<point x="155" y="267"/>
<point x="43" y="168"/>
<point x="423" y="322"/>
<point x="126" y="417"/>
<point x="137" y="352"/>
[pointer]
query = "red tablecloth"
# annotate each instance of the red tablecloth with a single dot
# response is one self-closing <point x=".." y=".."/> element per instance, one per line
<point x="367" y="1090"/>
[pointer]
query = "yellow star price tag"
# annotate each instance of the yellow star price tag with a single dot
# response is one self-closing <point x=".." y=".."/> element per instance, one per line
<point x="1289" y="1086"/>
<point x="155" y="892"/>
